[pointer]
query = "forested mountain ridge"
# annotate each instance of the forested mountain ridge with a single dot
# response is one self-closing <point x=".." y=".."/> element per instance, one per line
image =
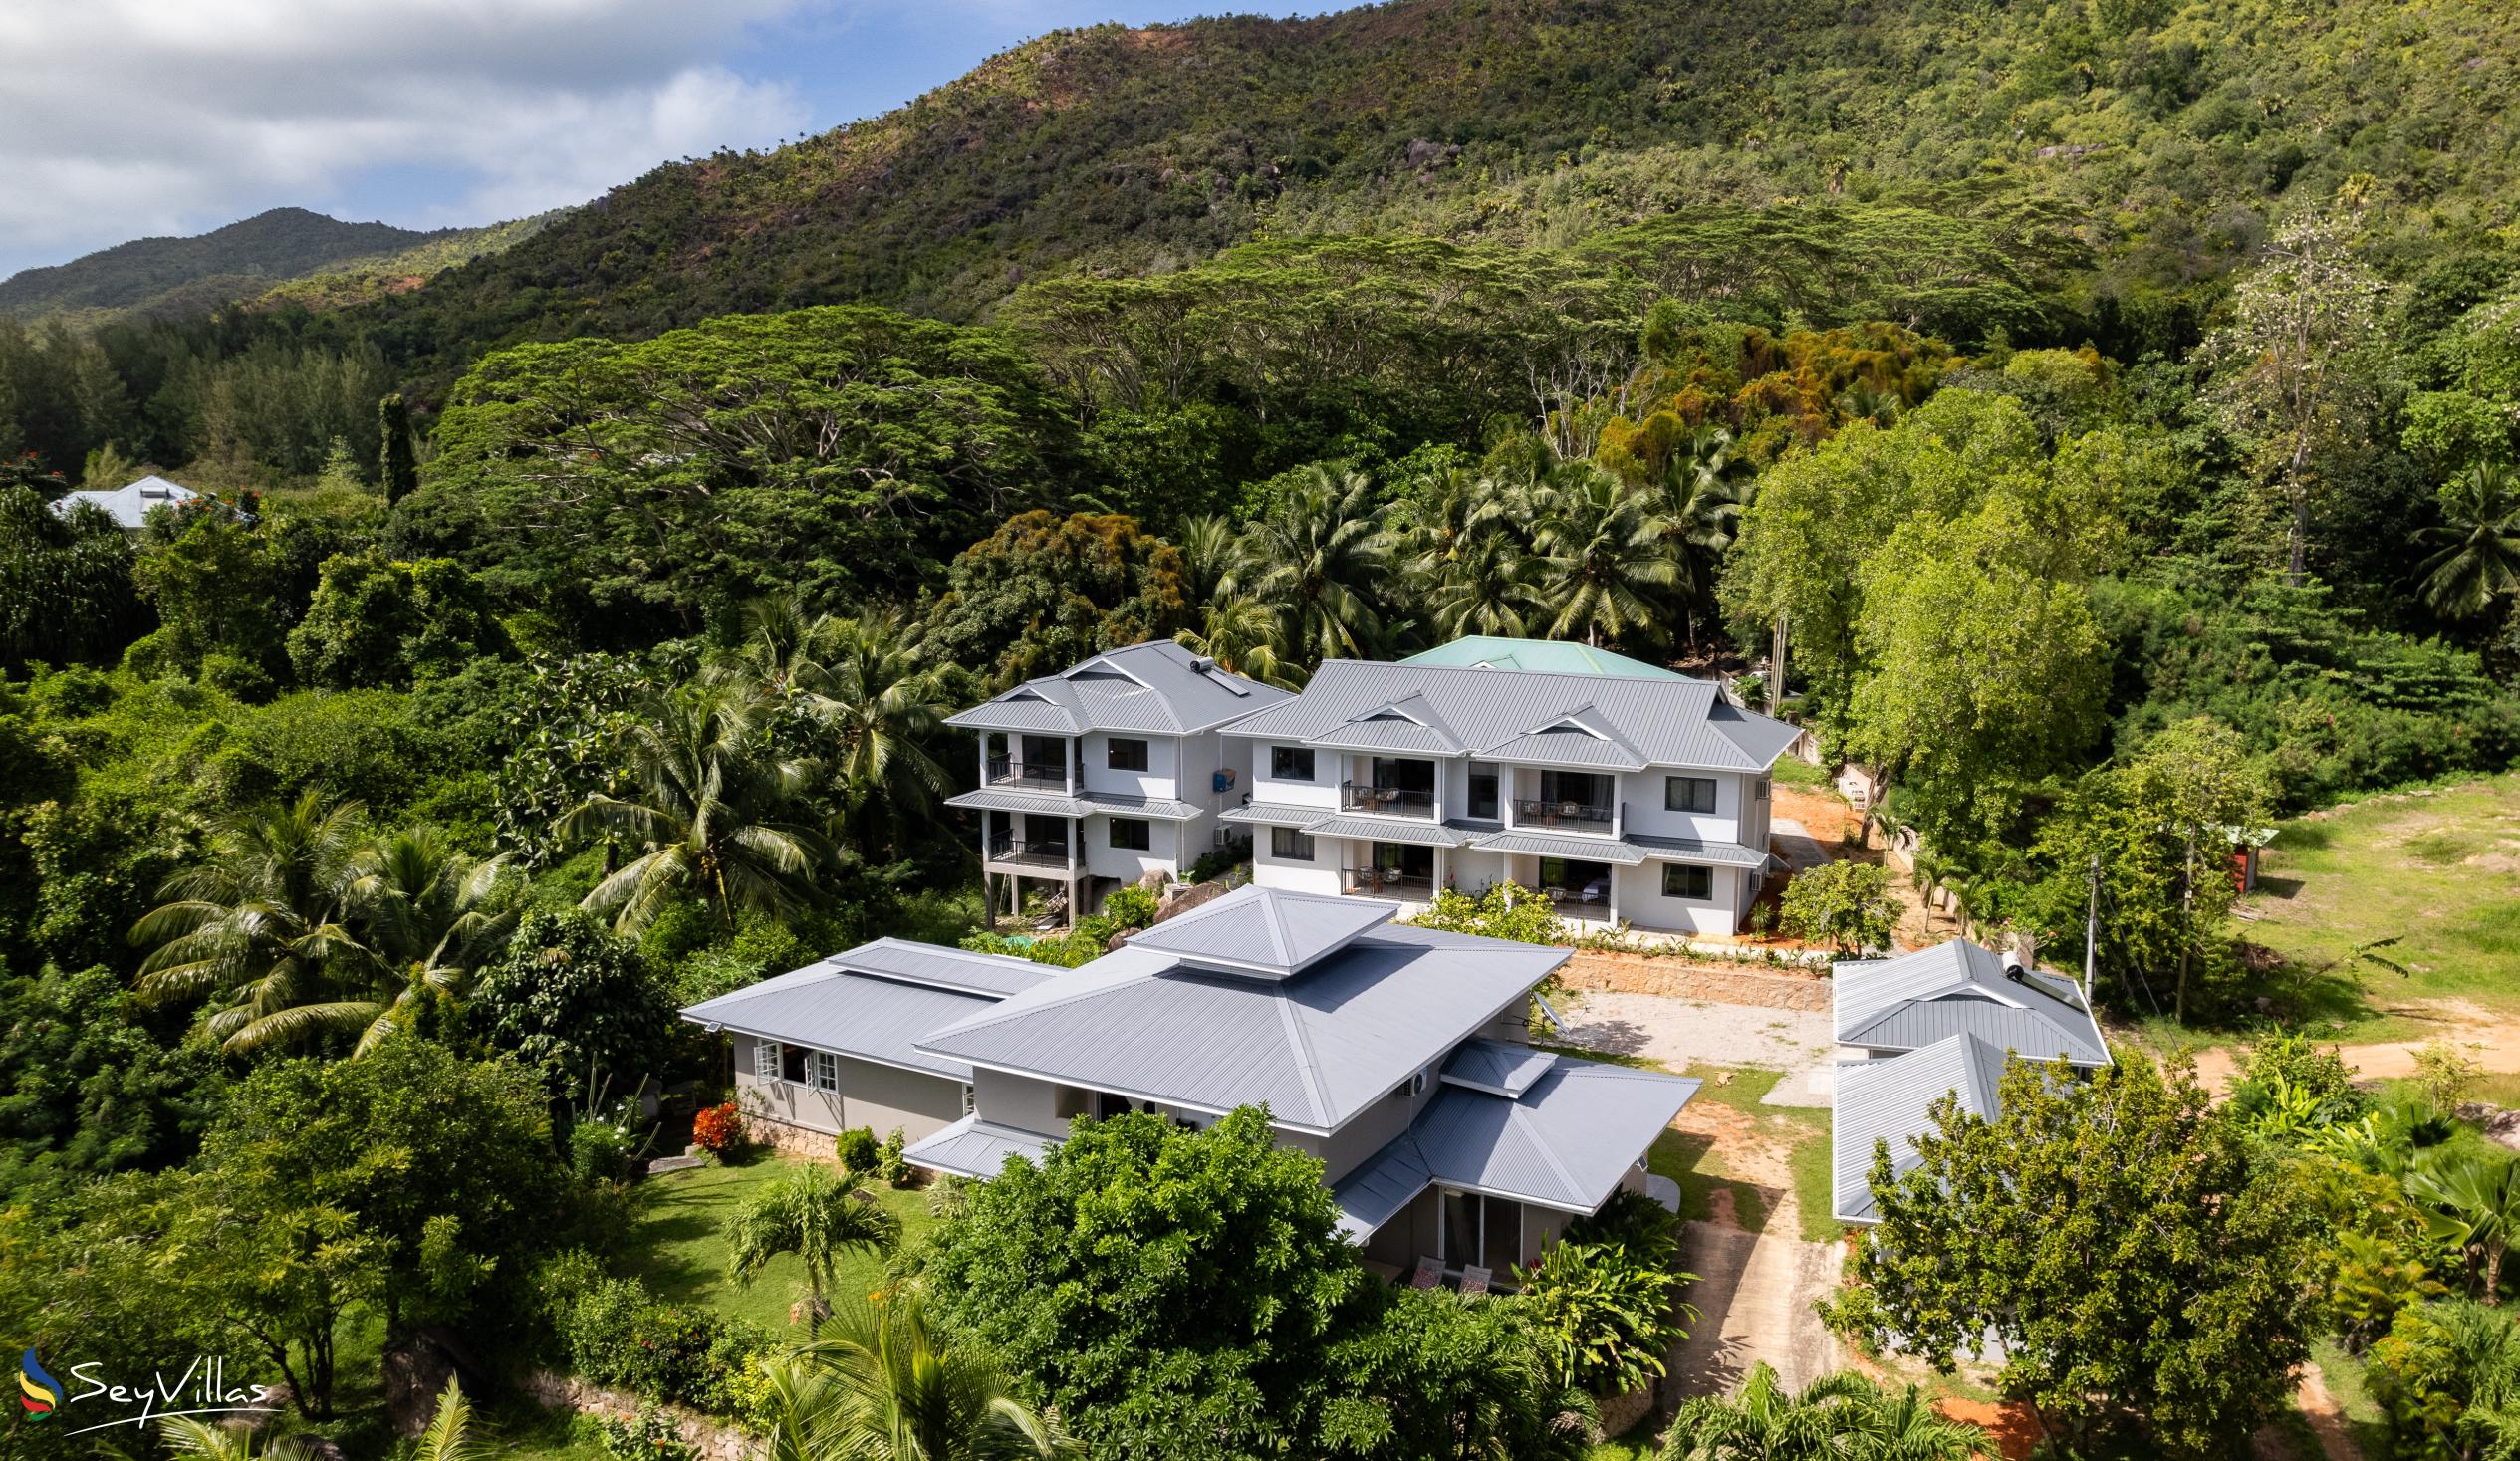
<point x="2173" y="132"/>
<point x="243" y="259"/>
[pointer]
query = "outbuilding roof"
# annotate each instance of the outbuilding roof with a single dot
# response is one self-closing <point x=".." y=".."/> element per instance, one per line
<point x="1562" y="1142"/>
<point x="972" y="1148"/>
<point x="129" y="505"/>
<point x="1560" y="719"/>
<point x="1956" y="987"/>
<point x="1156" y="688"/>
<point x="1165" y="1018"/>
<point x="875" y="1002"/>
<point x="1549" y="656"/>
<point x="1893" y="1101"/>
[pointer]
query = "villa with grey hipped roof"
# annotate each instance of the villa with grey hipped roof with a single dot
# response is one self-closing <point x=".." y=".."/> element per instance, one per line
<point x="1938" y="1022"/>
<point x="1396" y="1055"/>
<point x="1637" y="799"/>
<point x="1107" y="771"/>
<point x="129" y="505"/>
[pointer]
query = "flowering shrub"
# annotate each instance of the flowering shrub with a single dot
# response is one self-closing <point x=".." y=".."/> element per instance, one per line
<point x="718" y="1129"/>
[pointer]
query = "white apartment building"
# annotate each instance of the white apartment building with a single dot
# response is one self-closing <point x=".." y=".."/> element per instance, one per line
<point x="1622" y="798"/>
<point x="1093" y="778"/>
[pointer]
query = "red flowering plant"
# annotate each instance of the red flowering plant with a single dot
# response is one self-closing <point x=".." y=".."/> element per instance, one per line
<point x="718" y="1129"/>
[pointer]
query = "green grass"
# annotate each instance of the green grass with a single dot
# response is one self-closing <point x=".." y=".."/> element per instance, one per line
<point x="1637" y="1444"/>
<point x="673" y="1244"/>
<point x="2350" y="1386"/>
<point x="2434" y="871"/>
<point x="1794" y="773"/>
<point x="1691" y="1160"/>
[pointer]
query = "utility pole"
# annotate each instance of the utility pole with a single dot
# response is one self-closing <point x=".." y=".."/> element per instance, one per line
<point x="2090" y="936"/>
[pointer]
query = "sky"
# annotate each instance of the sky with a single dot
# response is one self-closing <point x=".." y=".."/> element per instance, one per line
<point x="129" y="119"/>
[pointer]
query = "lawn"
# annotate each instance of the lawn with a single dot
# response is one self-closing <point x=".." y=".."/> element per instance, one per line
<point x="673" y="1244"/>
<point x="2434" y="869"/>
<point x="1700" y="1167"/>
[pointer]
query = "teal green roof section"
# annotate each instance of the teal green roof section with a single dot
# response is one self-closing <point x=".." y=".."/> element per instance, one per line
<point x="1544" y="656"/>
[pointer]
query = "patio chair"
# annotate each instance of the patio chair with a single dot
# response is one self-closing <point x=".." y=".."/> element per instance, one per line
<point x="1429" y="1273"/>
<point x="1474" y="1279"/>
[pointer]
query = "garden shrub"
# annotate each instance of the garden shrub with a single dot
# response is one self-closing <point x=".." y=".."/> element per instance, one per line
<point x="858" y="1150"/>
<point x="615" y="1333"/>
<point x="1604" y="1316"/>
<point x="599" y="1151"/>
<point x="1503" y="912"/>
<point x="718" y="1129"/>
<point x="890" y="1165"/>
<point x="1130" y="908"/>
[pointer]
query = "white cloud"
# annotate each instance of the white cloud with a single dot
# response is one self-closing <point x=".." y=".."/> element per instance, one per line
<point x="120" y="118"/>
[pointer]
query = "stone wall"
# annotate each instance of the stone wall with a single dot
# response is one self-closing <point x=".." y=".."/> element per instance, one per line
<point x="712" y="1439"/>
<point x="1678" y="978"/>
<point x="788" y="1140"/>
<point x="1619" y="1412"/>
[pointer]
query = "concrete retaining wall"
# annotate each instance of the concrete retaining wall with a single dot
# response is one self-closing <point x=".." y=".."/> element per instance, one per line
<point x="1683" y="979"/>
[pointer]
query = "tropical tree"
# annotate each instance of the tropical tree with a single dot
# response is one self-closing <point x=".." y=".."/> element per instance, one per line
<point x="1241" y="633"/>
<point x="1703" y="491"/>
<point x="1839" y="1417"/>
<point x="709" y="813"/>
<point x="868" y="683"/>
<point x="450" y="1435"/>
<point x="433" y="914"/>
<point x="2479" y="558"/>
<point x="816" y="1215"/>
<point x="189" y="1436"/>
<point x="883" y="1385"/>
<point x="1319" y="557"/>
<point x="1604" y="563"/>
<point x="1487" y="587"/>
<point x="2475" y="1202"/>
<point x="258" y="925"/>
<point x="1456" y="513"/>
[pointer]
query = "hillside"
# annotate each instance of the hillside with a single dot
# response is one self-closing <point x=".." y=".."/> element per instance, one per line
<point x="2170" y="132"/>
<point x="246" y="259"/>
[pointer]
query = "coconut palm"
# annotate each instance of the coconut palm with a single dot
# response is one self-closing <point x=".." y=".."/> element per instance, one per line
<point x="1319" y="560"/>
<point x="1452" y="520"/>
<point x="450" y="1435"/>
<point x="433" y="913"/>
<point x="2479" y="561"/>
<point x="709" y="813"/>
<point x="1240" y="633"/>
<point x="1839" y="1417"/>
<point x="1604" y="561"/>
<point x="2475" y="1202"/>
<point x="1703" y="492"/>
<point x="1214" y="556"/>
<point x="816" y="1215"/>
<point x="1486" y="587"/>
<point x="867" y="681"/>
<point x="1884" y="1424"/>
<point x="202" y="1441"/>
<point x="259" y="926"/>
<point x="886" y="1387"/>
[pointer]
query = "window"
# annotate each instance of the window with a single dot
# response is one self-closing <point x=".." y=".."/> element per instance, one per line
<point x="1759" y="790"/>
<point x="1689" y="793"/>
<point x="765" y="1059"/>
<point x="1291" y="763"/>
<point x="826" y="1071"/>
<point x="791" y="1063"/>
<point x="1125" y="754"/>
<point x="1483" y="791"/>
<point x="1288" y="844"/>
<point x="970" y="1100"/>
<point x="1131" y="833"/>
<point x="1683" y="881"/>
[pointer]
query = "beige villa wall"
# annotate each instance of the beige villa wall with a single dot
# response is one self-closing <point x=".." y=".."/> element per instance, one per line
<point x="878" y="1097"/>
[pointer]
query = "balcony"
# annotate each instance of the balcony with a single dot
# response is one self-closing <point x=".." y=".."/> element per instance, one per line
<point x="1564" y="816"/>
<point x="1005" y="771"/>
<point x="1400" y="886"/>
<point x="1386" y="801"/>
<point x="1015" y="851"/>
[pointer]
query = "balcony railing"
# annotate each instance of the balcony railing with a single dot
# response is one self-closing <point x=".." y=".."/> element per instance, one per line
<point x="1378" y="884"/>
<point x="1005" y="771"/>
<point x="1387" y="801"/>
<point x="1564" y="816"/>
<point x="1019" y="852"/>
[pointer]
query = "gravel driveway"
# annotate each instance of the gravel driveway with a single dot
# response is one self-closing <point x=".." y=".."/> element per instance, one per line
<point x="1684" y="1032"/>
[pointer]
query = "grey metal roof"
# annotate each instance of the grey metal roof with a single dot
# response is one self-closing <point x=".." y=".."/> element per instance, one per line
<point x="129" y="505"/>
<point x="1563" y="1143"/>
<point x="1680" y="722"/>
<point x="1556" y="656"/>
<point x="1893" y="1101"/>
<point x="972" y="1148"/>
<point x="1157" y="686"/>
<point x="1267" y="933"/>
<point x="1319" y="1048"/>
<point x="1272" y="813"/>
<point x="1498" y="1067"/>
<point x="1415" y="831"/>
<point x="1691" y="850"/>
<point x="860" y="1015"/>
<point x="927" y="963"/>
<point x="1959" y="987"/>
<point x="1084" y="804"/>
<point x="1564" y="845"/>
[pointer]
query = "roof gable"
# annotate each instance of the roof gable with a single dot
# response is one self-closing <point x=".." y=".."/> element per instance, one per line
<point x="1156" y="688"/>
<point x="1958" y="987"/>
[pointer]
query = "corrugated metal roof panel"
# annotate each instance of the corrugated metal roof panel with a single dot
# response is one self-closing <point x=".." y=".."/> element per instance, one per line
<point x="1023" y="715"/>
<point x="1549" y="656"/>
<point x="1560" y="845"/>
<point x="972" y="1148"/>
<point x="1865" y="989"/>
<point x="1563" y="1143"/>
<point x="1560" y="746"/>
<point x="927" y="963"/>
<point x="1893" y="1101"/>
<point x="1272" y="813"/>
<point x="1268" y="931"/>
<point x="1680" y="722"/>
<point x="1042" y="804"/>
<point x="1920" y="1023"/>
<point x="861" y="1014"/>
<point x="1380" y="1187"/>
<point x="1499" y="1067"/>
<point x="1413" y="833"/>
<point x="1157" y="686"/>
<point x="1691" y="850"/>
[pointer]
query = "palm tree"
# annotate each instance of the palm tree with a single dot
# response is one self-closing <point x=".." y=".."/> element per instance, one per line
<point x="868" y="683"/>
<point x="886" y="1387"/>
<point x="1452" y="520"/>
<point x="1842" y="1417"/>
<point x="2475" y="1204"/>
<point x="1319" y="559"/>
<point x="708" y="813"/>
<point x="2480" y="556"/>
<point x="1486" y="588"/>
<point x="202" y="1441"/>
<point x="812" y="1213"/>
<point x="1214" y="556"/>
<point x="449" y="1436"/>
<point x="1702" y="495"/>
<point x="259" y="926"/>
<point x="433" y="914"/>
<point x="1240" y="633"/>
<point x="1604" y="563"/>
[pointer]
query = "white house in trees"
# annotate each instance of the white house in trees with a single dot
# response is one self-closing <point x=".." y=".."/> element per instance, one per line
<point x="1093" y="778"/>
<point x="1641" y="798"/>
